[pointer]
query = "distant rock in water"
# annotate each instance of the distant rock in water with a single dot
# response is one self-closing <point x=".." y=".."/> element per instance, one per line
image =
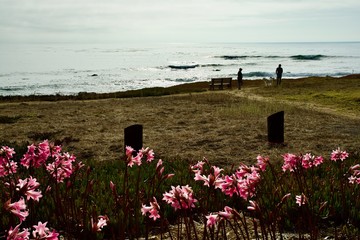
<point x="183" y="66"/>
<point x="231" y="57"/>
<point x="94" y="75"/>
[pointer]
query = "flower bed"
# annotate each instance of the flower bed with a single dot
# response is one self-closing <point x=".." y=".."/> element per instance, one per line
<point x="46" y="193"/>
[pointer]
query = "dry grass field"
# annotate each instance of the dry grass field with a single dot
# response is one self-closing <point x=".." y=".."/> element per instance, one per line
<point x="227" y="127"/>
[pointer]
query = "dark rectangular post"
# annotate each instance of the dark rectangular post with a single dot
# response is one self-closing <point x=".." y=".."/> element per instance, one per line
<point x="275" y="124"/>
<point x="133" y="137"/>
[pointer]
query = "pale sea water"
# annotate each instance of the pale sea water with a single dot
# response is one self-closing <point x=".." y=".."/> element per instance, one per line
<point x="69" y="69"/>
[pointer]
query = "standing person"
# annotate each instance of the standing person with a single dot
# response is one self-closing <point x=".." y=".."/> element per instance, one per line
<point x="240" y="78"/>
<point x="279" y="72"/>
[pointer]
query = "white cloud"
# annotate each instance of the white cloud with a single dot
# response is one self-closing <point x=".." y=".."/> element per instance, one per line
<point x="166" y="20"/>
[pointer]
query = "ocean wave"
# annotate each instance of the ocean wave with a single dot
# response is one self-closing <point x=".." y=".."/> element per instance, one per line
<point x="212" y="65"/>
<point x="308" y="57"/>
<point x="10" y="89"/>
<point x="186" y="80"/>
<point x="5" y="75"/>
<point x="235" y="57"/>
<point x="294" y="57"/>
<point x="190" y="66"/>
<point x="258" y="74"/>
<point x="183" y="66"/>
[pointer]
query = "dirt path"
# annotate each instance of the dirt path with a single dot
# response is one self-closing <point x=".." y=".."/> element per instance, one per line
<point x="248" y="93"/>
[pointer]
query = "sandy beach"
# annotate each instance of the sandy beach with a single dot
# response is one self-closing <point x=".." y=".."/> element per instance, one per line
<point x="225" y="126"/>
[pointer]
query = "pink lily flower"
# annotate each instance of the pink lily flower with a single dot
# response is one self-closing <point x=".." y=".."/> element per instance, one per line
<point x="101" y="222"/>
<point x="338" y="155"/>
<point x="301" y="199"/>
<point x="211" y="220"/>
<point x="29" y="187"/>
<point x="153" y="209"/>
<point x="43" y="232"/>
<point x="18" y="209"/>
<point x="15" y="234"/>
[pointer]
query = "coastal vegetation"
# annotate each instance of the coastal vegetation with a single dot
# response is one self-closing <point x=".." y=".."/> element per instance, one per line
<point x="244" y="189"/>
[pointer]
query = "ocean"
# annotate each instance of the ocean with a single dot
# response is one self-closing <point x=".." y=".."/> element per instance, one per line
<point x="67" y="69"/>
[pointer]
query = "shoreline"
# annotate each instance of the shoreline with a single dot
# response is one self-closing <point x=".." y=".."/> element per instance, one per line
<point x="148" y="92"/>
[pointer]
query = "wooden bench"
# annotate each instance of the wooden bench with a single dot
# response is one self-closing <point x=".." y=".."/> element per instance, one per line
<point x="220" y="83"/>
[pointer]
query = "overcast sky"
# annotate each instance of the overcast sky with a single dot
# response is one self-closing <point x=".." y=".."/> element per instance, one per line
<point x="117" y="21"/>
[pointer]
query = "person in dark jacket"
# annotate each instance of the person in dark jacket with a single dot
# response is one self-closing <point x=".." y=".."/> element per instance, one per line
<point x="240" y="78"/>
<point x="279" y="72"/>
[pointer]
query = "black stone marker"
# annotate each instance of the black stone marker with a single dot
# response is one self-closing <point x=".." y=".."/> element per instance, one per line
<point x="133" y="137"/>
<point x="275" y="124"/>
